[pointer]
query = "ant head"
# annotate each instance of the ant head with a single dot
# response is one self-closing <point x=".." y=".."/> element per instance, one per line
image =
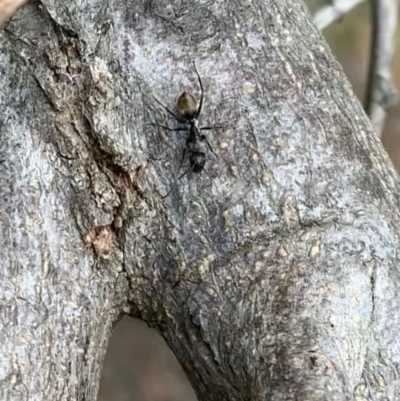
<point x="197" y="161"/>
<point x="187" y="106"/>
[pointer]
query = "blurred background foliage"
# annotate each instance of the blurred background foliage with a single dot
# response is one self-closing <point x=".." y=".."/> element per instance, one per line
<point x="139" y="366"/>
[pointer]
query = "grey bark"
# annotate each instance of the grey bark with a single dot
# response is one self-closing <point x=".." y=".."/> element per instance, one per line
<point x="272" y="277"/>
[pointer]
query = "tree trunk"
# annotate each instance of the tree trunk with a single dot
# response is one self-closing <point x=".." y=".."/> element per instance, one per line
<point x="272" y="275"/>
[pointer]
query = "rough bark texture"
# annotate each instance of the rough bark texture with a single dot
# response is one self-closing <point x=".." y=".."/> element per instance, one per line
<point x="272" y="277"/>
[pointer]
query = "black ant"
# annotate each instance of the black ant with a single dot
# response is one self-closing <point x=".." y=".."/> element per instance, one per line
<point x="189" y="111"/>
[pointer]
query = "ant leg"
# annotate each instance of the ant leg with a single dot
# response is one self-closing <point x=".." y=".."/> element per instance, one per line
<point x="201" y="92"/>
<point x="183" y="158"/>
<point x="181" y="120"/>
<point x="212" y="181"/>
<point x="204" y="138"/>
<point x="211" y="128"/>
<point x="175" y="183"/>
<point x="181" y="176"/>
<point x="168" y="128"/>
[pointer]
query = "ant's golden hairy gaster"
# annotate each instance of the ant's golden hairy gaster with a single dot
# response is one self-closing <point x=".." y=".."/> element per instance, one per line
<point x="187" y="106"/>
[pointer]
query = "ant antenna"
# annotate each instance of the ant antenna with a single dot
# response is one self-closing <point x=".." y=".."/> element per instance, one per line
<point x="201" y="93"/>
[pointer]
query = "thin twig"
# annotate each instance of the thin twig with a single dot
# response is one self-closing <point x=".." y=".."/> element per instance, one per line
<point x="381" y="93"/>
<point x="328" y="14"/>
